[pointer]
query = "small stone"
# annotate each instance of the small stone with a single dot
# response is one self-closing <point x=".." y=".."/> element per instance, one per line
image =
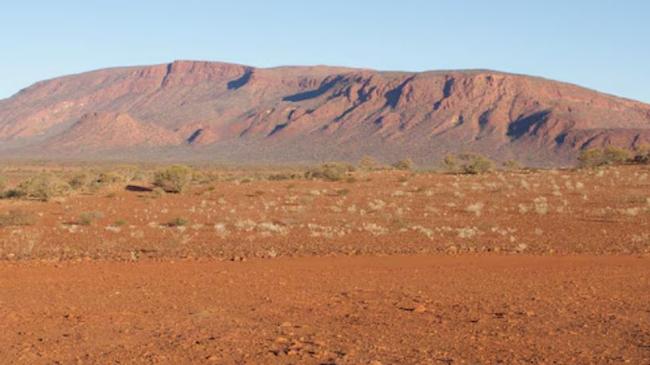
<point x="420" y="308"/>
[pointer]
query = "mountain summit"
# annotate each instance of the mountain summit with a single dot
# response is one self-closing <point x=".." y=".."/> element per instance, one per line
<point x="210" y="111"/>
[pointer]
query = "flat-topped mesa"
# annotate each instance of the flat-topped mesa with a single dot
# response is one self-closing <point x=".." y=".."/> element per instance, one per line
<point x="193" y="72"/>
<point x="284" y="114"/>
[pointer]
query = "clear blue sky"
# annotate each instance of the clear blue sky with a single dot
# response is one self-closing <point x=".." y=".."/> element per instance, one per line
<point x="600" y="44"/>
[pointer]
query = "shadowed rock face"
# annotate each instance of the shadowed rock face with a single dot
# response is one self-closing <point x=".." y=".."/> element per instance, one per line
<point x="231" y="113"/>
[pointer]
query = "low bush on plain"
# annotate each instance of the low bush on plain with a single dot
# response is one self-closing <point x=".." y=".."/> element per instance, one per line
<point x="17" y="218"/>
<point x="42" y="187"/>
<point x="468" y="163"/>
<point x="88" y="218"/>
<point x="404" y="165"/>
<point x="173" y="179"/>
<point x="331" y="171"/>
<point x="611" y="155"/>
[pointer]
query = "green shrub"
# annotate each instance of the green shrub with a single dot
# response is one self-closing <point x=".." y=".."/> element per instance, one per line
<point x="591" y="157"/>
<point x="616" y="155"/>
<point x="468" y="163"/>
<point x="476" y="164"/>
<point x="331" y="171"/>
<point x="404" y="165"/>
<point x="173" y="179"/>
<point x="42" y="187"/>
<point x="611" y="155"/>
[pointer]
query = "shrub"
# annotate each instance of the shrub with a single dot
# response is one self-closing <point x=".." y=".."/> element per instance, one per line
<point x="3" y="184"/>
<point x="591" y="157"/>
<point x="173" y="179"/>
<point x="284" y="176"/>
<point x="42" y="187"/>
<point x="612" y="155"/>
<point x="468" y="163"/>
<point x="87" y="218"/>
<point x="331" y="171"/>
<point x="512" y="165"/>
<point x="177" y="222"/>
<point x="475" y="164"/>
<point x="17" y="218"/>
<point x="79" y="181"/>
<point x="406" y="164"/>
<point x="12" y="194"/>
<point x="451" y="163"/>
<point x="107" y="178"/>
<point x="368" y="163"/>
<point x="616" y="155"/>
<point x="642" y="155"/>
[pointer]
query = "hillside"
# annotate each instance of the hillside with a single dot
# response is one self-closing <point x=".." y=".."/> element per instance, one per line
<point x="189" y="110"/>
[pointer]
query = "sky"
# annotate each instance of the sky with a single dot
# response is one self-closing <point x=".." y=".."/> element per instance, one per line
<point x="600" y="44"/>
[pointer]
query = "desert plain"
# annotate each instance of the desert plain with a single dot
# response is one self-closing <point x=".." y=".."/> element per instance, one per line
<point x="375" y="266"/>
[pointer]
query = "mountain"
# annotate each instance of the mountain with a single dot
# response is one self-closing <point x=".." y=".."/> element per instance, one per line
<point x="210" y="111"/>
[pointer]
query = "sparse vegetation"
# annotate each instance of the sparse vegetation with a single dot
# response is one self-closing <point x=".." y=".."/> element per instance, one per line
<point x="468" y="163"/>
<point x="42" y="187"/>
<point x="330" y="171"/>
<point x="430" y="205"/>
<point x="591" y="157"/>
<point x="642" y="155"/>
<point x="87" y="218"/>
<point x="173" y="179"/>
<point x="17" y="218"/>
<point x="615" y="155"/>
<point x="404" y="165"/>
<point x="512" y="165"/>
<point x="611" y="155"/>
<point x="177" y="222"/>
<point x="451" y="163"/>
<point x="368" y="163"/>
<point x="79" y="181"/>
<point x="476" y="164"/>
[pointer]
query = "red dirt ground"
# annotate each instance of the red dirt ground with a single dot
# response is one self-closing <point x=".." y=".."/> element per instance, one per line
<point x="360" y="310"/>
<point x="547" y="267"/>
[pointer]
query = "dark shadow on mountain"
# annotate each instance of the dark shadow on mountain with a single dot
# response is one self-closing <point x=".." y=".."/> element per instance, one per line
<point x="243" y="80"/>
<point x="197" y="133"/>
<point x="559" y="140"/>
<point x="484" y="119"/>
<point x="527" y="124"/>
<point x="448" y="88"/>
<point x="393" y="96"/>
<point x="277" y="129"/>
<point x="322" y="89"/>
